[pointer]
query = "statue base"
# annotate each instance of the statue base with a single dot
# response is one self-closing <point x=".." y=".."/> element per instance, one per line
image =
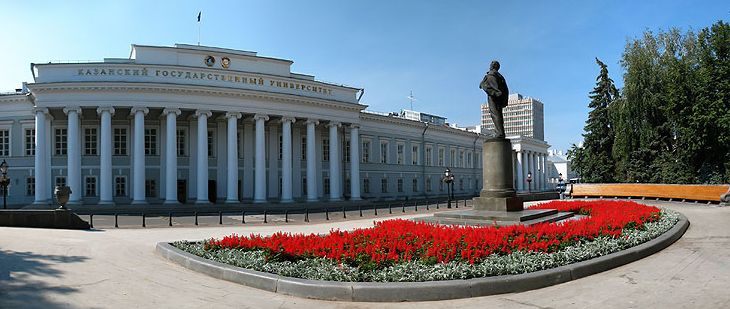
<point x="498" y="193"/>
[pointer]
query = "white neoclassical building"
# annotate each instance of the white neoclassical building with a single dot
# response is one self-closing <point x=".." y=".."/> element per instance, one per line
<point x="194" y="124"/>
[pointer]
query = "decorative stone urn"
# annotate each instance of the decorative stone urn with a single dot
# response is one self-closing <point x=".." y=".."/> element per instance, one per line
<point x="62" y="194"/>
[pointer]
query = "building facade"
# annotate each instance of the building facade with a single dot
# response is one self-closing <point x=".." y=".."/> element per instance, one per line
<point x="523" y="116"/>
<point x="193" y="124"/>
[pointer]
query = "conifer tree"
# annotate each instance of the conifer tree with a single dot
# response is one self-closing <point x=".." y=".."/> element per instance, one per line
<point x="597" y="161"/>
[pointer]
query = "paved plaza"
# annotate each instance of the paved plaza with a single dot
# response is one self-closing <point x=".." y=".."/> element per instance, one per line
<point x="118" y="268"/>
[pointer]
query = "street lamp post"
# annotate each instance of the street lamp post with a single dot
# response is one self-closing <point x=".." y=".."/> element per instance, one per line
<point x="561" y="186"/>
<point x="449" y="180"/>
<point x="4" y="182"/>
<point x="529" y="180"/>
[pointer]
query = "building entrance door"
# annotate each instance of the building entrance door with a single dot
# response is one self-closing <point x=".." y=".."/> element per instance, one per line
<point x="212" y="191"/>
<point x="182" y="185"/>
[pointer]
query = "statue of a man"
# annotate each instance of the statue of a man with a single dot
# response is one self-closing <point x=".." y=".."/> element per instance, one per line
<point x="495" y="86"/>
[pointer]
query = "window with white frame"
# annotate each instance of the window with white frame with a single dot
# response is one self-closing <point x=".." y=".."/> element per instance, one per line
<point x="304" y="186"/>
<point x="384" y="152"/>
<point x="365" y="151"/>
<point x="461" y="158"/>
<point x="120" y="141"/>
<point x="60" y="181"/>
<point x="415" y="184"/>
<point x="347" y="151"/>
<point x="452" y="158"/>
<point x="30" y="186"/>
<point x="325" y="149"/>
<point x="399" y="184"/>
<point x="468" y="160"/>
<point x="428" y="184"/>
<point x="120" y="186"/>
<point x="211" y="143"/>
<point x="442" y="157"/>
<point x="384" y="184"/>
<point x="150" y="188"/>
<point x="429" y="156"/>
<point x="181" y="149"/>
<point x="29" y="134"/>
<point x="91" y="141"/>
<point x="366" y="185"/>
<point x="400" y="149"/>
<point x="90" y="186"/>
<point x="304" y="148"/>
<point x="281" y="147"/>
<point x="326" y="185"/>
<point x="5" y="142"/>
<point x="150" y="141"/>
<point x="415" y="154"/>
<point x="61" y="141"/>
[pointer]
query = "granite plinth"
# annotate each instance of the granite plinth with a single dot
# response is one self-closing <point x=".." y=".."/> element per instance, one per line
<point x="499" y="218"/>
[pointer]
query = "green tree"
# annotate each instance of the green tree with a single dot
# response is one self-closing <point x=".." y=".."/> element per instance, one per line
<point x="597" y="160"/>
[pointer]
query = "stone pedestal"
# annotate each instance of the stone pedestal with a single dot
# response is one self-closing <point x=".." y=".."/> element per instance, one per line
<point x="498" y="193"/>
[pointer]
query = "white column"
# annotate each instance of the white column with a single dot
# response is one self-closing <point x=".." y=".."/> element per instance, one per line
<point x="232" y="158"/>
<point x="73" y="154"/>
<point x="544" y="171"/>
<point x="171" y="155"/>
<point x="312" y="176"/>
<point x="259" y="195"/>
<point x="355" y="162"/>
<point x="286" y="159"/>
<point x="40" y="155"/>
<point x="202" y="157"/>
<point x="105" y="156"/>
<point x="138" y="156"/>
<point x="533" y="170"/>
<point x="335" y="173"/>
<point x="520" y="177"/>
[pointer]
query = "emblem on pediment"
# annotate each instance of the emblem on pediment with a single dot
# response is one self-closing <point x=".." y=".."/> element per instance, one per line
<point x="225" y="62"/>
<point x="209" y="61"/>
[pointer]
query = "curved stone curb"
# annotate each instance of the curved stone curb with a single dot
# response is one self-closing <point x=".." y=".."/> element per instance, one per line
<point x="420" y="291"/>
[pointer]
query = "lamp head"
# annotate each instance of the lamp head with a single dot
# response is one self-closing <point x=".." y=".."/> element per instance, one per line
<point x="4" y="167"/>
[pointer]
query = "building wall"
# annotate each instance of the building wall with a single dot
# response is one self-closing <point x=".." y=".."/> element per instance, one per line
<point x="523" y="116"/>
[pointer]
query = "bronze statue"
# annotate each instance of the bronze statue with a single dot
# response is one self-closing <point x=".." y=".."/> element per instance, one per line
<point x="495" y="86"/>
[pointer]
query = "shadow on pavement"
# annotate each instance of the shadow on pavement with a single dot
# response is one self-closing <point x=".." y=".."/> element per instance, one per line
<point x="18" y="289"/>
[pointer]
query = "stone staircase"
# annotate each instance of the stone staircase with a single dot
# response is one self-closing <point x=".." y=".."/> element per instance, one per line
<point x="496" y="218"/>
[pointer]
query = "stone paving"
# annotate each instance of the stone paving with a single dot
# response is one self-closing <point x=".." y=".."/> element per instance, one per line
<point x="117" y="268"/>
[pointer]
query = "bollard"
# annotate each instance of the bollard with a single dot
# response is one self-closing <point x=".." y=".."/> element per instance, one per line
<point x="427" y="203"/>
<point x="91" y="221"/>
<point x="196" y="218"/>
<point x="390" y="208"/>
<point x="116" y="220"/>
<point x="344" y="215"/>
<point x="286" y="216"/>
<point x="243" y="217"/>
<point x="144" y="219"/>
<point x="415" y="206"/>
<point x="306" y="214"/>
<point x="403" y="207"/>
<point x="359" y="207"/>
<point x="456" y="202"/>
<point x="437" y="204"/>
<point x="327" y="213"/>
<point x="375" y="207"/>
<point x="220" y="218"/>
<point x="265" y="213"/>
<point x="169" y="223"/>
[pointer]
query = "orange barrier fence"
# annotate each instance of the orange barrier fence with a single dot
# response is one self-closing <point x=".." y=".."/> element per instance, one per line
<point x="641" y="190"/>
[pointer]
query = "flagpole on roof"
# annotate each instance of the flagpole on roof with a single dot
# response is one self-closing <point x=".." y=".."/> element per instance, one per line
<point x="199" y="13"/>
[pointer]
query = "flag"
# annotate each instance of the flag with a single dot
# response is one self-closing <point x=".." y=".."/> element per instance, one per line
<point x="199" y="15"/>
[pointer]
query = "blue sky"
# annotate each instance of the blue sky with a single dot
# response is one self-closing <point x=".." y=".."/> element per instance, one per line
<point x="437" y="49"/>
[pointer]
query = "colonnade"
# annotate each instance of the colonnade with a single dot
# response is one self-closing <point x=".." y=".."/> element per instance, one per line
<point x="170" y="161"/>
<point x="533" y="163"/>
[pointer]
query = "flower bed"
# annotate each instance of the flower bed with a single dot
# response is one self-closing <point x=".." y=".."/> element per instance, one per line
<point x="400" y="250"/>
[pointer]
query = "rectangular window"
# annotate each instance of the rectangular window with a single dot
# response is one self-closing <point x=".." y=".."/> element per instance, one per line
<point x="347" y="152"/>
<point x="120" y="141"/>
<point x="304" y="148"/>
<point x="384" y="185"/>
<point x="239" y="143"/>
<point x="400" y="150"/>
<point x="211" y="144"/>
<point x="461" y="184"/>
<point x="30" y="142"/>
<point x="150" y="142"/>
<point x="384" y="152"/>
<point x="150" y="188"/>
<point x="304" y="186"/>
<point x="60" y="181"/>
<point x="452" y="158"/>
<point x="400" y="185"/>
<point x="428" y="184"/>
<point x="281" y="147"/>
<point x="468" y="160"/>
<point x="365" y="151"/>
<point x="30" y="186"/>
<point x="61" y="141"/>
<point x="414" y="155"/>
<point x="181" y="151"/>
<point x="91" y="142"/>
<point x="429" y="159"/>
<point x="415" y="184"/>
<point x="120" y="186"/>
<point x="326" y="185"/>
<point x="441" y="185"/>
<point x="90" y="186"/>
<point x="461" y="158"/>
<point x="366" y="185"/>
<point x="325" y="149"/>
<point x="442" y="155"/>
